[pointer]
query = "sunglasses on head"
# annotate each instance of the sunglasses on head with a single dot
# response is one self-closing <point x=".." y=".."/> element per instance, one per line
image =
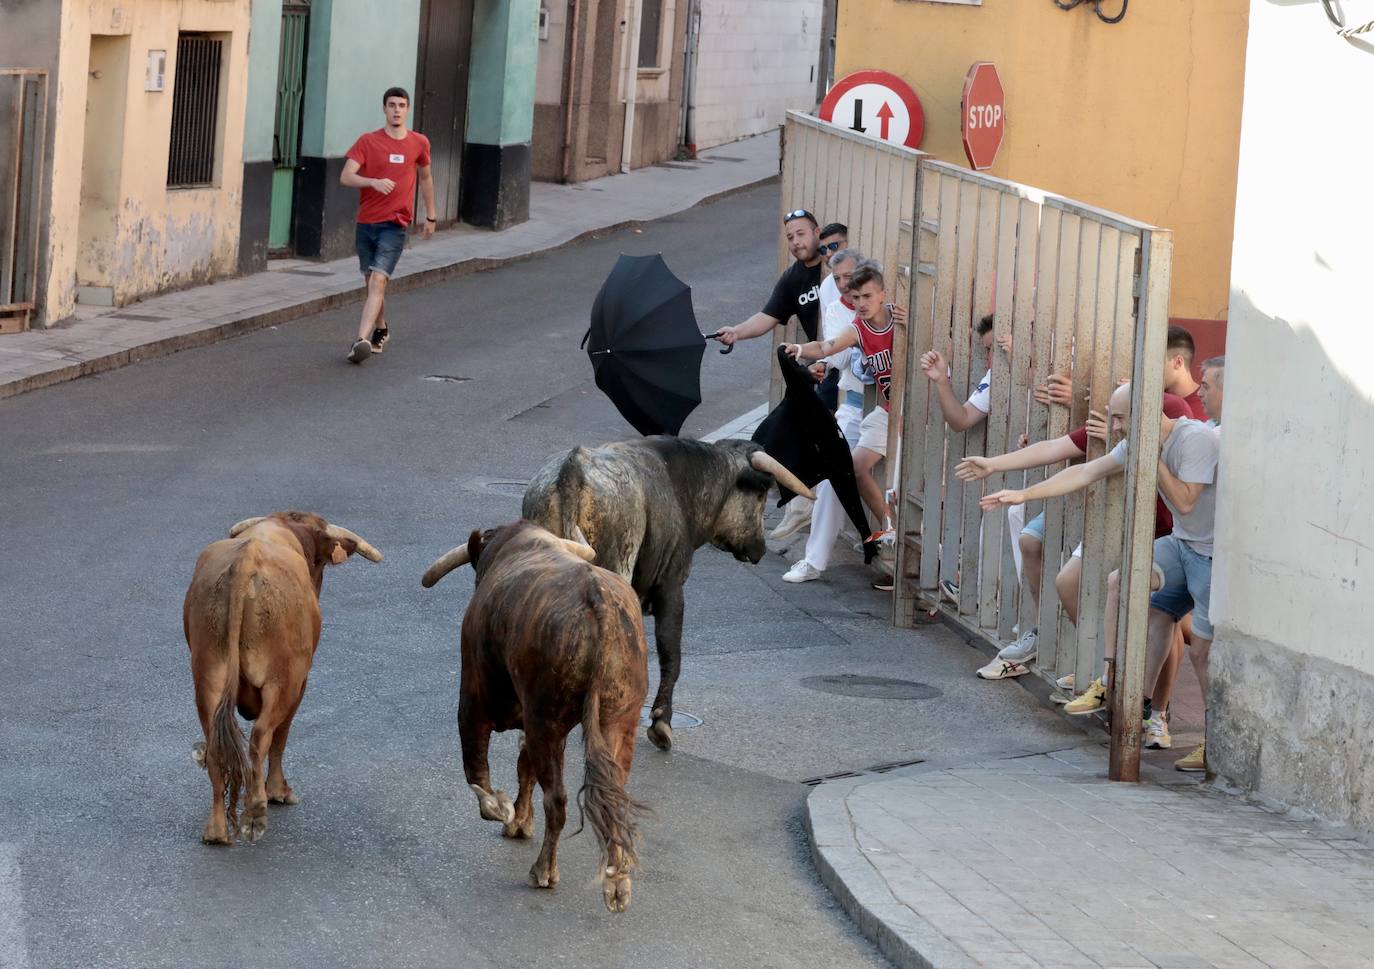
<point x="797" y="214"/>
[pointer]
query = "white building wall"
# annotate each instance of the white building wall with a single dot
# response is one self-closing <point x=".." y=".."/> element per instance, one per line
<point x="1292" y="698"/>
<point x="756" y="61"/>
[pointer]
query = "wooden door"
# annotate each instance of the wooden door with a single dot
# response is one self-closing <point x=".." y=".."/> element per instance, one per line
<point x="441" y="97"/>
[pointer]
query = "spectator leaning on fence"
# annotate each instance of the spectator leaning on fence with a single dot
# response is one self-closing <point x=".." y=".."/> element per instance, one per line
<point x="1213" y="376"/>
<point x="1012" y="659"/>
<point x="871" y="333"/>
<point x="960" y="417"/>
<point x="1179" y="350"/>
<point x="797" y="291"/>
<point x="1182" y="571"/>
<point x="836" y="318"/>
<point x="834" y="237"/>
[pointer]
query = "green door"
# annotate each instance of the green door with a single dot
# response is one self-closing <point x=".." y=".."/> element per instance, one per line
<point x="286" y="140"/>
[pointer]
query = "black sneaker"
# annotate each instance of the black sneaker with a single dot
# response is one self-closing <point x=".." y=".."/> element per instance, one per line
<point x="379" y="337"/>
<point x="362" y="349"/>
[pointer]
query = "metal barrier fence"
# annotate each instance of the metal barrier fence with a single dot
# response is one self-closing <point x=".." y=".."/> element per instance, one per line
<point x="1075" y="290"/>
<point x="23" y="133"/>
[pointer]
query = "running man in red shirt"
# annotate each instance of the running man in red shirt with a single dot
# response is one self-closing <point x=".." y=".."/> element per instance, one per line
<point x="384" y="165"/>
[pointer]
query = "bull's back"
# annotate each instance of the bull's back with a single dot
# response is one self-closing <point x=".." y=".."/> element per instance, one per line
<point x="279" y="605"/>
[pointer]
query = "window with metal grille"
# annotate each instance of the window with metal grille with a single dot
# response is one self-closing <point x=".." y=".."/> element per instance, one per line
<point x="195" y="111"/>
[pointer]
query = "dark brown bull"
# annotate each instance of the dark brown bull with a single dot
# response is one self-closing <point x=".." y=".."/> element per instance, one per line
<point x="551" y="641"/>
<point x="252" y="621"/>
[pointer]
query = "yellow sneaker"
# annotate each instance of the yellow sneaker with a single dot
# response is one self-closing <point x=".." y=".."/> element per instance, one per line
<point x="1194" y="763"/>
<point x="1094" y="699"/>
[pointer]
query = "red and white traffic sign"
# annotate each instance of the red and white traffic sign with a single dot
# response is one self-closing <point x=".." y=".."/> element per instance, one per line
<point x="877" y="104"/>
<point x="984" y="115"/>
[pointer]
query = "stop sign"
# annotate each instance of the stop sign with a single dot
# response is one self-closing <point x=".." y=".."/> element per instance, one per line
<point x="984" y="115"/>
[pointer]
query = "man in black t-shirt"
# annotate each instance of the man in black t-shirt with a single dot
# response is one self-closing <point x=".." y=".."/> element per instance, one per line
<point x="797" y="292"/>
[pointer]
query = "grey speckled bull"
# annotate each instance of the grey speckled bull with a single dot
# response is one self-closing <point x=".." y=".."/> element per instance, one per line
<point x="646" y="506"/>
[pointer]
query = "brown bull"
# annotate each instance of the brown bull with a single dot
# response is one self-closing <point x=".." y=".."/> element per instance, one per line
<point x="252" y="620"/>
<point x="551" y="641"/>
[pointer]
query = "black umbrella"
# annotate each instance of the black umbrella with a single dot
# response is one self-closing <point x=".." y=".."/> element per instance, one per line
<point x="645" y="346"/>
<point x="802" y="434"/>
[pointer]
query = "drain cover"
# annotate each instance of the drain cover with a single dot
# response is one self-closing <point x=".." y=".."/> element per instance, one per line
<point x="873" y="687"/>
<point x="444" y="378"/>
<point x="681" y="721"/>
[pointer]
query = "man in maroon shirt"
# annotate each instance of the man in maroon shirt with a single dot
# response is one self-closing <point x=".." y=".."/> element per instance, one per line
<point x="384" y="165"/>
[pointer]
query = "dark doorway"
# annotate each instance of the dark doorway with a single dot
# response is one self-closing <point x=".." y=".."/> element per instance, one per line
<point x="441" y="99"/>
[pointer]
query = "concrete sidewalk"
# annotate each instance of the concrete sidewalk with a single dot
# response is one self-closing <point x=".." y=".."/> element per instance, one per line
<point x="559" y="214"/>
<point x="1039" y="861"/>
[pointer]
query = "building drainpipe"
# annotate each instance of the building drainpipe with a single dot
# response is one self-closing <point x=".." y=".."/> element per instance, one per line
<point x="689" y="79"/>
<point x="629" y="80"/>
<point x="570" y="48"/>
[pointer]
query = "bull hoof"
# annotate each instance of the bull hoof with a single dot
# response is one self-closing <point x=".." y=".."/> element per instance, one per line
<point x="615" y="892"/>
<point x="216" y="834"/>
<point x="198" y="753"/>
<point x="284" y="796"/>
<point x="494" y="806"/>
<point x="661" y="735"/>
<point x="254" y="824"/>
<point x="518" y="830"/>
<point x="543" y="877"/>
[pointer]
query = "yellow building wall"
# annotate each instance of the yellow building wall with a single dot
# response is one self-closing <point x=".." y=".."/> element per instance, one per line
<point x="114" y="222"/>
<point x="1140" y="117"/>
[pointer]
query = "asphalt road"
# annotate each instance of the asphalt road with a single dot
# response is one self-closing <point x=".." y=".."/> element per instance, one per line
<point x="111" y="485"/>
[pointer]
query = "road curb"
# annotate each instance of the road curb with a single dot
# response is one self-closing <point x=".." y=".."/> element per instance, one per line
<point x="904" y="938"/>
<point x="252" y="321"/>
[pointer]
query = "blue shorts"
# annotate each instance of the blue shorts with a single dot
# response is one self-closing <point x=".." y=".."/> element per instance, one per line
<point x="379" y="246"/>
<point x="1187" y="583"/>
<point x="1036" y="527"/>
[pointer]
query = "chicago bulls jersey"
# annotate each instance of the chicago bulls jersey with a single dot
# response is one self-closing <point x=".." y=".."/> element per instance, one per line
<point x="876" y="346"/>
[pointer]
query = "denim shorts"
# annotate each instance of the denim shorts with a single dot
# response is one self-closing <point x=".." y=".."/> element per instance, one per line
<point x="379" y="246"/>
<point x="1187" y="583"/>
<point x="1036" y="527"/>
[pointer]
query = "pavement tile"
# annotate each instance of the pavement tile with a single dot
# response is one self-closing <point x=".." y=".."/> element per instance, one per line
<point x="1164" y="874"/>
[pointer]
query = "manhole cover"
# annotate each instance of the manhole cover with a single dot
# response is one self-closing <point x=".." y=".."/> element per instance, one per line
<point x="444" y="378"/>
<point x="873" y="687"/>
<point x="681" y="721"/>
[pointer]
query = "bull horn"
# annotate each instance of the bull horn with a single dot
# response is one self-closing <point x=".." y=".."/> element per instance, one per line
<point x="452" y="559"/>
<point x="244" y="525"/>
<point x="581" y="549"/>
<point x="765" y="462"/>
<point x="365" y="549"/>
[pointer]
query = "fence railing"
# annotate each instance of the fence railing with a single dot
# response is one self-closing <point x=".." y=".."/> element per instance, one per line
<point x="23" y="134"/>
<point x="1075" y="291"/>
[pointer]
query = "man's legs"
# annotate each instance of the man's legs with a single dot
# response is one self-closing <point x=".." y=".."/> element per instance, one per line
<point x="864" y="463"/>
<point x="374" y="306"/>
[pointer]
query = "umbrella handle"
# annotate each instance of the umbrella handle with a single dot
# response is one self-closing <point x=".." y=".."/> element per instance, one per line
<point x="712" y="336"/>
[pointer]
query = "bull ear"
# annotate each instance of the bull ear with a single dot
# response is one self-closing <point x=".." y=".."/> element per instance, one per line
<point x="476" y="543"/>
<point x="753" y="480"/>
<point x="339" y="555"/>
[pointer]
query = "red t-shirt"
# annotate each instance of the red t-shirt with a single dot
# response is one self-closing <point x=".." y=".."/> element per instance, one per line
<point x="876" y="347"/>
<point x="381" y="156"/>
<point x="1194" y="404"/>
<point x="1174" y="407"/>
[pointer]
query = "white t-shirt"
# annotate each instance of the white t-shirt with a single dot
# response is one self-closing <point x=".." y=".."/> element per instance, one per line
<point x="835" y="320"/>
<point x="981" y="397"/>
<point x="829" y="291"/>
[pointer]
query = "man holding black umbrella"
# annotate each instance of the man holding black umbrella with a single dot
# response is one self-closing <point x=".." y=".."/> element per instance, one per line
<point x="798" y="290"/>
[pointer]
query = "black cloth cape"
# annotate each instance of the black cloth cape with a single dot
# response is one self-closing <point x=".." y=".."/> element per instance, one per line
<point x="802" y="434"/>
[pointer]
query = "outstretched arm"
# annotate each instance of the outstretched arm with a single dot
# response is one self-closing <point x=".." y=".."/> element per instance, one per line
<point x="756" y="325"/>
<point x="1039" y="454"/>
<point x="1071" y="479"/>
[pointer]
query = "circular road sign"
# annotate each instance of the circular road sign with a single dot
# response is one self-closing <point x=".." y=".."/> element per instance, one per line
<point x="877" y="104"/>
<point x="984" y="115"/>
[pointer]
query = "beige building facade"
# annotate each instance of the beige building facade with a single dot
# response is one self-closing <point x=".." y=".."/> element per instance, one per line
<point x="145" y="169"/>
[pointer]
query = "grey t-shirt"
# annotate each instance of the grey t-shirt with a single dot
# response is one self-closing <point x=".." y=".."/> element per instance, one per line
<point x="1190" y="454"/>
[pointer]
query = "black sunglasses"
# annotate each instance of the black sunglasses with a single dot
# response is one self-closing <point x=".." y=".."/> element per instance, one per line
<point x="829" y="247"/>
<point x="798" y="214"/>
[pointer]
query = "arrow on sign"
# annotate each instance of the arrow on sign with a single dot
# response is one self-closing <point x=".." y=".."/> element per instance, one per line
<point x="859" y="116"/>
<point x="884" y="115"/>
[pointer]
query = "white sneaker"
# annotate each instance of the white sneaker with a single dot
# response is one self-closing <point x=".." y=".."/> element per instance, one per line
<point x="1157" y="733"/>
<point x="1022" y="650"/>
<point x="1000" y="669"/>
<point x="802" y="571"/>
<point x="798" y="516"/>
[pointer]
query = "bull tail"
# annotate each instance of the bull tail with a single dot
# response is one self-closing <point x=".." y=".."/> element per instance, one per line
<point x="602" y="799"/>
<point x="225" y="745"/>
<point x="568" y="492"/>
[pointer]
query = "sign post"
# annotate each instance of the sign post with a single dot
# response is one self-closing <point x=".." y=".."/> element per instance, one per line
<point x="877" y="104"/>
<point x="984" y="115"/>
